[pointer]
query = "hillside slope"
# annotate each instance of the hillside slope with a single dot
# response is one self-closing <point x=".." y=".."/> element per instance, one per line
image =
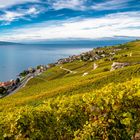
<point x="75" y="101"/>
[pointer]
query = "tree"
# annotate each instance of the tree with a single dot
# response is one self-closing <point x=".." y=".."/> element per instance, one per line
<point x="2" y="90"/>
<point x="17" y="81"/>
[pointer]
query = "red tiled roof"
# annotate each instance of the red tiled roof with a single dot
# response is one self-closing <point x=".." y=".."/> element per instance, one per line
<point x="4" y="84"/>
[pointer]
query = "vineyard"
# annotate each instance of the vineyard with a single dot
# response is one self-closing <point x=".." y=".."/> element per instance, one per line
<point x="103" y="105"/>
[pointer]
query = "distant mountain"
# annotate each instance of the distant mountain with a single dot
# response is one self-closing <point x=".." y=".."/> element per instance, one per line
<point x="8" y="43"/>
<point x="121" y="39"/>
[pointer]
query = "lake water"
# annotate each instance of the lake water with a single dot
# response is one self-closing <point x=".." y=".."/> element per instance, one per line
<point x="16" y="58"/>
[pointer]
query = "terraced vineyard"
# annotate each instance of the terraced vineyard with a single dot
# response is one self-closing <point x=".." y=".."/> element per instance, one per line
<point x="59" y="104"/>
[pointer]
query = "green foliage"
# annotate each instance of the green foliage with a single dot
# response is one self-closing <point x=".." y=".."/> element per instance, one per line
<point x="106" y="69"/>
<point x="108" y="113"/>
<point x="24" y="73"/>
<point x="2" y="90"/>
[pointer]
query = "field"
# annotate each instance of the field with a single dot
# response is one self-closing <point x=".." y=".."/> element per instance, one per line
<point x="59" y="104"/>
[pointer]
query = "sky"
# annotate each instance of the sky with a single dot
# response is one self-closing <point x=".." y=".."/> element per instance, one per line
<point x="44" y="20"/>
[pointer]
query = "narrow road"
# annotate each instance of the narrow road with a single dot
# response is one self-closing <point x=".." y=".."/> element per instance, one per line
<point x="28" y="78"/>
<point x="23" y="83"/>
<point x="68" y="70"/>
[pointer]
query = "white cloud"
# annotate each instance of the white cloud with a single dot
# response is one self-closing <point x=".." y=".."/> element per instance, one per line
<point x="32" y="10"/>
<point x="82" y="4"/>
<point x="8" y="3"/>
<point x="69" y="4"/>
<point x="111" y="5"/>
<point x="7" y="16"/>
<point x="119" y="24"/>
<point x="73" y="4"/>
<point x="10" y="16"/>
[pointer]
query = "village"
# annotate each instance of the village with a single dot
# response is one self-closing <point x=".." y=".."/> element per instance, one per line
<point x="93" y="55"/>
<point x="12" y="85"/>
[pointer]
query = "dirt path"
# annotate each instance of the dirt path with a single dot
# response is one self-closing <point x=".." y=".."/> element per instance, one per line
<point x="70" y="71"/>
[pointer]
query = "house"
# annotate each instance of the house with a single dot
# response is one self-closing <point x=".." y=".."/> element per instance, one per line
<point x="41" y="68"/>
<point x="31" y="70"/>
<point x="95" y="66"/>
<point x="7" y="84"/>
<point x="118" y="65"/>
<point x="50" y="65"/>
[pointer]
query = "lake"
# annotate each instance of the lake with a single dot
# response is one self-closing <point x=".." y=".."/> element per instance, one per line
<point x="16" y="58"/>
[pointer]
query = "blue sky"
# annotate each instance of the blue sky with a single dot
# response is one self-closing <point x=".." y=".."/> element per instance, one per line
<point x="42" y="20"/>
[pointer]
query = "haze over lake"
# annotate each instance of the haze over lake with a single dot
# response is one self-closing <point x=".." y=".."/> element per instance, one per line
<point x="16" y="58"/>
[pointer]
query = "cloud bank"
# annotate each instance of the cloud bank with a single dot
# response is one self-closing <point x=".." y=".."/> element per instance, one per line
<point x="10" y="15"/>
<point x="63" y="19"/>
<point x="9" y="3"/>
<point x="118" y="24"/>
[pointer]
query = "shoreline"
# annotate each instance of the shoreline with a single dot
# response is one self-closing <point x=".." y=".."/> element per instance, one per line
<point x="23" y="80"/>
